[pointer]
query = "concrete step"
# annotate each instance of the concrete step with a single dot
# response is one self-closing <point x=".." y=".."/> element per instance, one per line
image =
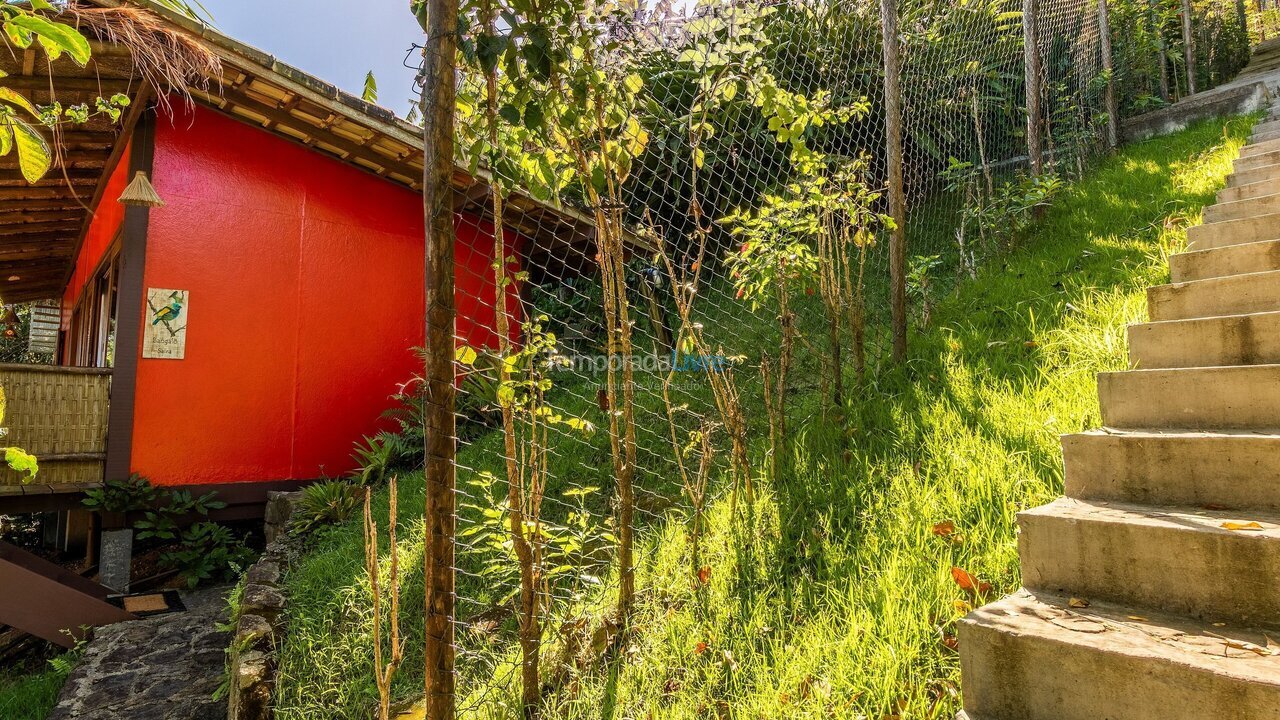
<point x="1262" y="205"/>
<point x="1225" y="261"/>
<point x="1245" y="192"/>
<point x="1267" y="126"/>
<point x="1243" y="397"/>
<point x="1253" y="175"/>
<point x="1264" y="137"/>
<point x="1252" y="339"/>
<point x="1036" y="658"/>
<point x="1234" y="232"/>
<point x="1259" y="148"/>
<point x="1235" y="471"/>
<point x="1211" y="297"/>
<point x="1256" y="161"/>
<point x="1182" y="561"/>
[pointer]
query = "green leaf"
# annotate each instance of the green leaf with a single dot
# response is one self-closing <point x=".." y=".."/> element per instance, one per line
<point x="13" y="97"/>
<point x="466" y="356"/>
<point x="510" y="113"/>
<point x="534" y="119"/>
<point x="55" y="37"/>
<point x="22" y="462"/>
<point x="489" y="48"/>
<point x="34" y="156"/>
<point x="370" y="93"/>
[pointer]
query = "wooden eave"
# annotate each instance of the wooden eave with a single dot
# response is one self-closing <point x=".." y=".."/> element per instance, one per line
<point x="43" y="224"/>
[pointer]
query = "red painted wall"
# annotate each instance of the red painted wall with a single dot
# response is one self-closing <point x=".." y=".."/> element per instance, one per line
<point x="102" y="232"/>
<point x="306" y="299"/>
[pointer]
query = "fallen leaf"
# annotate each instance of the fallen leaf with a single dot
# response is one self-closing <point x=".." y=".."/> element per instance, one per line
<point x="699" y="648"/>
<point x="968" y="582"/>
<point x="950" y="642"/>
<point x="704" y="574"/>
<point x="1031" y="344"/>
<point x="1138" y="618"/>
<point x="1249" y="526"/>
<point x="1246" y="646"/>
<point x="962" y="607"/>
<point x="944" y="528"/>
<point x="1078" y="603"/>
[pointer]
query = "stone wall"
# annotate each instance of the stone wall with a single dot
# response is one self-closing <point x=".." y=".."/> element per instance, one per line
<point x="1221" y="102"/>
<point x="260" y="626"/>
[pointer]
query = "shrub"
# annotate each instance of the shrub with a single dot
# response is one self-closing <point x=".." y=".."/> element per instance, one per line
<point x="325" y="503"/>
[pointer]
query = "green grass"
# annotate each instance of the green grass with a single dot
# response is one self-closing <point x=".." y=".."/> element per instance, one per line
<point x="836" y="598"/>
<point x="29" y="694"/>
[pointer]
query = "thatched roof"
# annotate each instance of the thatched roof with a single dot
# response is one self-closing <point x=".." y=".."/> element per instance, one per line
<point x="139" y="45"/>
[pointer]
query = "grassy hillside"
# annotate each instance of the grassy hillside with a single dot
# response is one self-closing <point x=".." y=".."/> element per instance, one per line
<point x="837" y="598"/>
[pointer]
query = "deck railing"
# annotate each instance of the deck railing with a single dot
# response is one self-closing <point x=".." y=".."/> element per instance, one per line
<point x="59" y="414"/>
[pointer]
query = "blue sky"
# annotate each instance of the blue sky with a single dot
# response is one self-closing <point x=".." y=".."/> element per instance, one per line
<point x="337" y="40"/>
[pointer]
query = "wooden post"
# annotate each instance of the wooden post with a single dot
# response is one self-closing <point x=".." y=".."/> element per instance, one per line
<point x="439" y="89"/>
<point x="1189" y="47"/>
<point x="1031" y="55"/>
<point x="893" y="158"/>
<point x="1108" y="66"/>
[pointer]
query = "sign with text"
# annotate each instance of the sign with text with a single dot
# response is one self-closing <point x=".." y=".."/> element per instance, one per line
<point x="164" y="333"/>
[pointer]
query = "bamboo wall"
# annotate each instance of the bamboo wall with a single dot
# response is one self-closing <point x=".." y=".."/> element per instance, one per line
<point x="59" y="415"/>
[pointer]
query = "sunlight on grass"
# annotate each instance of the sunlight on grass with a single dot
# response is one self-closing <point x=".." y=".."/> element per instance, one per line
<point x="837" y="600"/>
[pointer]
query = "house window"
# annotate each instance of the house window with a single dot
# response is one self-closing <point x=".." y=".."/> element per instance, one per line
<point x="91" y="339"/>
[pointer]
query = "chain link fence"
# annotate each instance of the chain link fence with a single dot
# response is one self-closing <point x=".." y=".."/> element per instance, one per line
<point x="700" y="204"/>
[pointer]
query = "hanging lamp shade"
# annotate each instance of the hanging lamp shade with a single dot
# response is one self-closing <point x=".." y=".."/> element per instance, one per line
<point x="140" y="193"/>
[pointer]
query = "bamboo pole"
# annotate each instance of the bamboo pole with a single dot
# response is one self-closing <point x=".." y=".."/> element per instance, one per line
<point x="1189" y="47"/>
<point x="1108" y="66"/>
<point x="893" y="157"/>
<point x="439" y="89"/>
<point x="1031" y="54"/>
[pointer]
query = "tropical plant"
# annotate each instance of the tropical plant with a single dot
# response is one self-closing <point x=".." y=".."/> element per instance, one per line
<point x="325" y="503"/>
<point x="207" y="551"/>
<point x="131" y="494"/>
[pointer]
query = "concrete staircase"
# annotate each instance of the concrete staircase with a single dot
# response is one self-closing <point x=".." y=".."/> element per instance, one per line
<point x="1152" y="590"/>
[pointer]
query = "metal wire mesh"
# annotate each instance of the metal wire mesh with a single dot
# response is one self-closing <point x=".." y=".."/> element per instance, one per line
<point x="714" y="192"/>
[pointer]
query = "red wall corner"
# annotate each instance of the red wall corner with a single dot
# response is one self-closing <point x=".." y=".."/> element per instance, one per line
<point x="306" y="301"/>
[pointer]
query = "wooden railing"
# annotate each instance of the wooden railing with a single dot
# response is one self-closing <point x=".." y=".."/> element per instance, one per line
<point x="59" y="414"/>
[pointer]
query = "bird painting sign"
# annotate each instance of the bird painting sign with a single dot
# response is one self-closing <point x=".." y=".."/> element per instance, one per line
<point x="164" y="333"/>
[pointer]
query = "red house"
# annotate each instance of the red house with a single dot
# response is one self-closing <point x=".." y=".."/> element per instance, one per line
<point x="290" y="245"/>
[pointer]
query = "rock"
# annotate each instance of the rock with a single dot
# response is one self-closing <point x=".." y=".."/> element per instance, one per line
<point x="262" y="600"/>
<point x="264" y="572"/>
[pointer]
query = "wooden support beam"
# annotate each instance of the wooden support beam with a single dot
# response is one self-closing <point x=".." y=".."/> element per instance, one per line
<point x="68" y="225"/>
<point x="19" y="194"/>
<point x="34" y="205"/>
<point x="27" y="215"/>
<point x="49" y="601"/>
<point x="104" y="87"/>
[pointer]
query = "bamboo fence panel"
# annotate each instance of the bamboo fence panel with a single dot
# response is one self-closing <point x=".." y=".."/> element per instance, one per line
<point x="59" y="415"/>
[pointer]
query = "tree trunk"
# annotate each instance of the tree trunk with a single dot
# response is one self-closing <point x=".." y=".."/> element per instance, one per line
<point x="1031" y="49"/>
<point x="1157" y="29"/>
<point x="897" y="199"/>
<point x="1189" y="47"/>
<point x="438" y="97"/>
